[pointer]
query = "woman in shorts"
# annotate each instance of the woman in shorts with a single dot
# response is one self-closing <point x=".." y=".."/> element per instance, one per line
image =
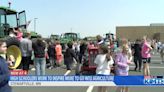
<point x="146" y="55"/>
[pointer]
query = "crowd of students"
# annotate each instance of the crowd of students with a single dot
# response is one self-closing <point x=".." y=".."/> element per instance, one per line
<point x="117" y="55"/>
<point x="124" y="55"/>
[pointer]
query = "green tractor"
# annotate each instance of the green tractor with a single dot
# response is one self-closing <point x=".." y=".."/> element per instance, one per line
<point x="54" y="37"/>
<point x="68" y="37"/>
<point x="34" y="34"/>
<point x="10" y="19"/>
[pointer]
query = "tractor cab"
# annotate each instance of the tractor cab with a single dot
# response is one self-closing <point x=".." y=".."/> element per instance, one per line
<point x="54" y="37"/>
<point x="10" y="19"/>
<point x="68" y="37"/>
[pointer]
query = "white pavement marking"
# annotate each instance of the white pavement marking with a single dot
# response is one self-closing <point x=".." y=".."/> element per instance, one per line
<point x="89" y="89"/>
<point x="67" y="72"/>
<point x="158" y="67"/>
<point x="152" y="60"/>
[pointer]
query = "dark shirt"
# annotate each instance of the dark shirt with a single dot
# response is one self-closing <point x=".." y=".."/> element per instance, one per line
<point x="51" y="51"/>
<point x="39" y="49"/>
<point x="4" y="76"/>
<point x="83" y="48"/>
<point x="137" y="50"/>
<point x="69" y="55"/>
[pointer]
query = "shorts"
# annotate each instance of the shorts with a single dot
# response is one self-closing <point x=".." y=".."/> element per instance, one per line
<point x="146" y="60"/>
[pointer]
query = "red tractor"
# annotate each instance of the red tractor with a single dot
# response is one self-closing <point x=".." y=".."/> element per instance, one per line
<point x="88" y="66"/>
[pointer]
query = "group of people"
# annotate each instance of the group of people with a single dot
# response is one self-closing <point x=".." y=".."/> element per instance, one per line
<point x="42" y="51"/>
<point x="142" y="54"/>
<point x="121" y="59"/>
<point x="4" y="63"/>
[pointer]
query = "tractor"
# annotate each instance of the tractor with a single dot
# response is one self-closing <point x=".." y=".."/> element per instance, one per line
<point x="10" y="19"/>
<point x="54" y="37"/>
<point x="87" y="66"/>
<point x="68" y="37"/>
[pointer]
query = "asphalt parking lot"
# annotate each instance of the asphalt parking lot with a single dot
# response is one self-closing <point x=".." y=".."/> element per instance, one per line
<point x="156" y="68"/>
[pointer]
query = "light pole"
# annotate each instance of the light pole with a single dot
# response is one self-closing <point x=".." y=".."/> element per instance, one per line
<point x="71" y="29"/>
<point x="35" y="24"/>
<point x="9" y="4"/>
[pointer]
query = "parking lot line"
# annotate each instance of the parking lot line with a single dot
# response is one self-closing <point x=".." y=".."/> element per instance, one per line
<point x="67" y="72"/>
<point x="89" y="89"/>
<point x="157" y="67"/>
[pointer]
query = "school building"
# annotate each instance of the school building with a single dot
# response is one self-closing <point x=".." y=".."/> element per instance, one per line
<point x="154" y="31"/>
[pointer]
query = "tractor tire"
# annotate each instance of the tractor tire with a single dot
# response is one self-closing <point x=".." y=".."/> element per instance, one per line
<point x="12" y="41"/>
<point x="14" y="50"/>
<point x="78" y="70"/>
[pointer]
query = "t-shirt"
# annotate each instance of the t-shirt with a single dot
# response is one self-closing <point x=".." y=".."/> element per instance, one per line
<point x="58" y="49"/>
<point x="19" y="35"/>
<point x="103" y="66"/>
<point x="145" y="52"/>
<point x="122" y="66"/>
<point x="26" y="47"/>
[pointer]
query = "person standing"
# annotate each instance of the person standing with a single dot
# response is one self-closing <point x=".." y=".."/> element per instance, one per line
<point x="51" y="53"/>
<point x="26" y="49"/>
<point x="39" y="53"/>
<point x="100" y="40"/>
<point x="83" y="48"/>
<point x="103" y="61"/>
<point x="122" y="66"/>
<point x="59" y="55"/>
<point x="69" y="56"/>
<point x="162" y="53"/>
<point x="146" y="55"/>
<point x="137" y="55"/>
<point x="4" y="71"/>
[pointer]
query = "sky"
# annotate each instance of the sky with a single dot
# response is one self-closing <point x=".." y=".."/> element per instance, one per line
<point x="88" y="17"/>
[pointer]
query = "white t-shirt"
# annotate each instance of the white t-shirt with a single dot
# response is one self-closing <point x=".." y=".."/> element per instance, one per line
<point x="103" y="66"/>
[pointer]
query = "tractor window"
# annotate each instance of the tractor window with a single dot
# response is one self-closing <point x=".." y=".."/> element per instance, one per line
<point x="70" y="36"/>
<point x="74" y="36"/>
<point x="12" y="20"/>
<point x="2" y="19"/>
<point x="22" y="18"/>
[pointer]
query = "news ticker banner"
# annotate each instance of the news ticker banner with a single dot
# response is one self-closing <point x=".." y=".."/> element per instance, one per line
<point x="59" y="80"/>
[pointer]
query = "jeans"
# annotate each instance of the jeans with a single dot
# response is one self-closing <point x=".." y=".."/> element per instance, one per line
<point x="40" y="66"/>
<point x="26" y="62"/>
<point x="52" y="61"/>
